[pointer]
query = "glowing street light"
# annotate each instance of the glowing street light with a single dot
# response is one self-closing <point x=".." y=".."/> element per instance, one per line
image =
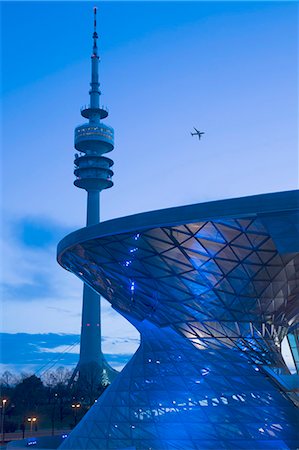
<point x="75" y="407"/>
<point x="32" y="420"/>
<point x="4" y="401"/>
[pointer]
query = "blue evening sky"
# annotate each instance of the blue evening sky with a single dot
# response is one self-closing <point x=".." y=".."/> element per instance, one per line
<point x="228" y="68"/>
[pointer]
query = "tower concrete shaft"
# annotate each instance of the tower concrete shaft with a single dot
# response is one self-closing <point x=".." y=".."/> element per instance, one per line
<point x="93" y="173"/>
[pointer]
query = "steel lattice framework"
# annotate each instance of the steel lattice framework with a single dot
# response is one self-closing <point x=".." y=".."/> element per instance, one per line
<point x="213" y="290"/>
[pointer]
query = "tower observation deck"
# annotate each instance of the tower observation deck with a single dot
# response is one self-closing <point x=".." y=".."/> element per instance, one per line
<point x="93" y="173"/>
<point x="94" y="138"/>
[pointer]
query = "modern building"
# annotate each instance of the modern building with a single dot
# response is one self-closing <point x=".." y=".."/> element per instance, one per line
<point x="213" y="290"/>
<point x="93" y="173"/>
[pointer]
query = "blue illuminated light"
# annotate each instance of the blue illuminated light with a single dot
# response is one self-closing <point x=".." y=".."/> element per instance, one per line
<point x="136" y="236"/>
<point x="132" y="286"/>
<point x="127" y="263"/>
<point x="133" y="250"/>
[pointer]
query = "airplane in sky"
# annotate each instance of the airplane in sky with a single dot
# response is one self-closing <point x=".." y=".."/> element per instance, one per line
<point x="197" y="133"/>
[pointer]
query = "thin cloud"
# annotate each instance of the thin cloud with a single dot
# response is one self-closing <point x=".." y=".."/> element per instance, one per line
<point x="35" y="353"/>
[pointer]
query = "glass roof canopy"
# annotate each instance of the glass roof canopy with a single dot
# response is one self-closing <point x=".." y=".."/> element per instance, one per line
<point x="222" y="279"/>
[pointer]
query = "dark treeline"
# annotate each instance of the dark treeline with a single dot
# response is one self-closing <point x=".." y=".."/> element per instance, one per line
<point x="30" y="402"/>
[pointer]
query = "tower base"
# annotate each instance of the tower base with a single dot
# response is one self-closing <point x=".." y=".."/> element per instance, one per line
<point x="89" y="380"/>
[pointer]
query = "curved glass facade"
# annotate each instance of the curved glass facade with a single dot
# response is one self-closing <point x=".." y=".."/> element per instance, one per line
<point x="213" y="290"/>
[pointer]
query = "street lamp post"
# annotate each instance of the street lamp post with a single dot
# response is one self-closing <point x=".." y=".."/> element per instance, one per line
<point x="53" y="414"/>
<point x="75" y="407"/>
<point x="4" y="401"/>
<point x="32" y="420"/>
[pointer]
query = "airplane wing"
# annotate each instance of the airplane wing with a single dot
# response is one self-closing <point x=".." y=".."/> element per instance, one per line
<point x="197" y="131"/>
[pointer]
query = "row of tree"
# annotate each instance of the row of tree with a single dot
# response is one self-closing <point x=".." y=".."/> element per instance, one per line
<point x="53" y="400"/>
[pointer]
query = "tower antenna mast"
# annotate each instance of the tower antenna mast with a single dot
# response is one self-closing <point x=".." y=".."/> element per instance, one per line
<point x="93" y="173"/>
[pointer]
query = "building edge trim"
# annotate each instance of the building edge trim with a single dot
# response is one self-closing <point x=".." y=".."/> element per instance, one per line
<point x="248" y="206"/>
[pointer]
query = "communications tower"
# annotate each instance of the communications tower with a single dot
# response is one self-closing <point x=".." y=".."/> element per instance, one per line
<point x="93" y="173"/>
